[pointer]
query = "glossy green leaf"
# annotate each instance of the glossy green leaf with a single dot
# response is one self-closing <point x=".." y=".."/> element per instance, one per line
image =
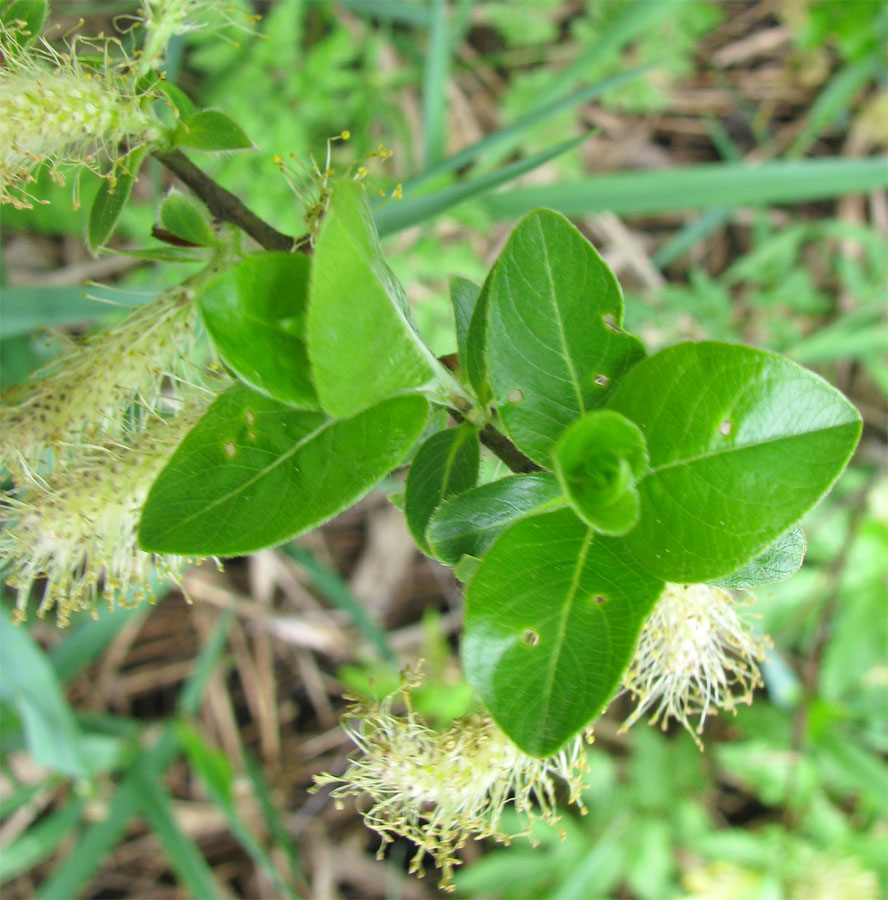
<point x="554" y="342"/>
<point x="211" y="130"/>
<point x="463" y="297"/>
<point x="598" y="460"/>
<point x="362" y="342"/>
<point x="742" y="443"/>
<point x="779" y="561"/>
<point x="470" y="522"/>
<point x="253" y="472"/>
<point x="186" y="219"/>
<point x="552" y="617"/>
<point x="23" y="21"/>
<point x="110" y="200"/>
<point x="444" y="466"/>
<point x="476" y="345"/>
<point x="255" y="314"/>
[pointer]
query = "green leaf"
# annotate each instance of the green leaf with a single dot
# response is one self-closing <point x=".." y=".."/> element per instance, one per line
<point x="186" y="219"/>
<point x="40" y="841"/>
<point x="211" y="130"/>
<point x="255" y="314"/>
<point x="476" y="345"/>
<point x="445" y="465"/>
<point x="554" y="343"/>
<point x="52" y="735"/>
<point x="465" y="569"/>
<point x="181" y="102"/>
<point x="469" y="523"/>
<point x="362" y="342"/>
<point x="779" y="561"/>
<point x="463" y="297"/>
<point x="254" y="473"/>
<point x="23" y="21"/>
<point x="552" y="617"/>
<point x="742" y="443"/>
<point x="598" y="461"/>
<point x="110" y="201"/>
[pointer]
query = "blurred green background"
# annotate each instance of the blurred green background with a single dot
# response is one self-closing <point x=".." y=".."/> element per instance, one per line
<point x="729" y="165"/>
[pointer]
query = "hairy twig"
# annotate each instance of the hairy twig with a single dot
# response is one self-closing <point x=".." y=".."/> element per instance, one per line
<point x="222" y="203"/>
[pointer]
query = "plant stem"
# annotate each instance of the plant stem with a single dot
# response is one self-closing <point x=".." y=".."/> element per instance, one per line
<point x="222" y="203"/>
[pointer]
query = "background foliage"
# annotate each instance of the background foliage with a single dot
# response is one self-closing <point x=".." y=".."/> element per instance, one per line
<point x="166" y="751"/>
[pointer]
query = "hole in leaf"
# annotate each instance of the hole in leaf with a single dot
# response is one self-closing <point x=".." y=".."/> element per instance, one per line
<point x="516" y="395"/>
<point x="724" y="428"/>
<point x="530" y="637"/>
<point x="610" y="323"/>
<point x="251" y="435"/>
<point x="600" y="598"/>
<point x="250" y="418"/>
<point x="601" y="380"/>
<point x="230" y="449"/>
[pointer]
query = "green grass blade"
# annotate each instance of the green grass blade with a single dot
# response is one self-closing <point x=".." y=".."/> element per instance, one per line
<point x="701" y="186"/>
<point x="338" y="593"/>
<point x="210" y="764"/>
<point x="398" y="11"/>
<point x="39" y="842"/>
<point x="73" y="873"/>
<point x="89" y="637"/>
<point x="271" y="815"/>
<point x="687" y="236"/>
<point x="507" y="136"/>
<point x="434" y="84"/>
<point x="29" y="683"/>
<point x="25" y="309"/>
<point x="405" y="213"/>
<point x="184" y="857"/>
<point x="835" y="100"/>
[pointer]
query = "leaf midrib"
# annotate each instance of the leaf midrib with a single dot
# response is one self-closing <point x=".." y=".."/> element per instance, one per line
<point x="736" y="449"/>
<point x="562" y="629"/>
<point x="259" y="475"/>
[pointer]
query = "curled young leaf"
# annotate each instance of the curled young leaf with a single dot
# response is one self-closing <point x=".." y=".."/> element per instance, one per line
<point x="598" y="461"/>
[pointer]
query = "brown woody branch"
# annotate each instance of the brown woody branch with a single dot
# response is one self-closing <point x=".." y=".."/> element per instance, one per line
<point x="222" y="203"/>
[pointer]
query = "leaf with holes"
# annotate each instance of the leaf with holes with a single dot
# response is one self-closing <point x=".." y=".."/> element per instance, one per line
<point x="469" y="523"/>
<point x="742" y="443"/>
<point x="255" y="314"/>
<point x="444" y="466"/>
<point x="254" y="473"/>
<point x="555" y="345"/>
<point x="552" y="617"/>
<point x="362" y="342"/>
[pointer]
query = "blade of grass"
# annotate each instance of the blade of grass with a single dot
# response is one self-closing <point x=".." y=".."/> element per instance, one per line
<point x="217" y="777"/>
<point x="507" y="136"/>
<point x="436" y="72"/>
<point x="271" y="815"/>
<point x="338" y="593"/>
<point x="398" y="216"/>
<point x="25" y="309"/>
<point x="706" y="186"/>
<point x="835" y="100"/>
<point x="96" y="842"/>
<point x="89" y="637"/>
<point x="390" y="11"/>
<point x="184" y="857"/>
<point x="51" y="733"/>
<point x="39" y="841"/>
